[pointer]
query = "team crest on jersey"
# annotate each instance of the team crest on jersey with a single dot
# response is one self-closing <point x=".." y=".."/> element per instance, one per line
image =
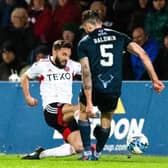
<point x="105" y="82"/>
<point x="66" y="68"/>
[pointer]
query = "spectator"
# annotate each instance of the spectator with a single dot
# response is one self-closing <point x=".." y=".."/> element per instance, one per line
<point x="139" y="15"/>
<point x="9" y="63"/>
<point x="6" y="8"/>
<point x="53" y="3"/>
<point x="84" y="4"/>
<point x="122" y="13"/>
<point x="20" y="33"/>
<point x="40" y="14"/>
<point x="110" y="12"/>
<point x="150" y="46"/>
<point x="67" y="11"/>
<point x="156" y="23"/>
<point x="162" y="61"/>
<point x="38" y="53"/>
<point x="41" y="51"/>
<point x="70" y="34"/>
<point x="100" y="8"/>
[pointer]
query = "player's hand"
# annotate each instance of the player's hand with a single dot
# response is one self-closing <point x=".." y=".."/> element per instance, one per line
<point x="31" y="101"/>
<point x="158" y="86"/>
<point x="90" y="111"/>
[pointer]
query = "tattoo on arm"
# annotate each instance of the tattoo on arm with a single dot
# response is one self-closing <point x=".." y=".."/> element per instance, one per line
<point x="86" y="74"/>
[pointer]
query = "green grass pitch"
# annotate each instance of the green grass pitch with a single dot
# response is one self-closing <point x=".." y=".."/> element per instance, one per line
<point x="106" y="161"/>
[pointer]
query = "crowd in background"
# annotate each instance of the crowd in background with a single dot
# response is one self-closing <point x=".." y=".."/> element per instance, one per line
<point x="28" y="29"/>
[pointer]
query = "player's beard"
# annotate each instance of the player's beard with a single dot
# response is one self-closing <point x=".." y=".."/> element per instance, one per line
<point x="59" y="64"/>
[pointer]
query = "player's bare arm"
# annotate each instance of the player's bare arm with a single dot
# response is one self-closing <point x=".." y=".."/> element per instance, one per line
<point x="87" y="85"/>
<point x="25" y="87"/>
<point x="139" y="51"/>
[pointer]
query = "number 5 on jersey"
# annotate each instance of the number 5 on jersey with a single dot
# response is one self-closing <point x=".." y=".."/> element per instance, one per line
<point x="107" y="57"/>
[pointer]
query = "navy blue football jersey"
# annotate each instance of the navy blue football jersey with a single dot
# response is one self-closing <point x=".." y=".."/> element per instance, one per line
<point x="104" y="49"/>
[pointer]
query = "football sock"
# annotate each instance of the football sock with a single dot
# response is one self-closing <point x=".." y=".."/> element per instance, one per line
<point x="101" y="135"/>
<point x="63" y="150"/>
<point x="84" y="127"/>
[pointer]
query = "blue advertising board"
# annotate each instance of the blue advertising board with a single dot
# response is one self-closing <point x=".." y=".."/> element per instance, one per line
<point x="23" y="128"/>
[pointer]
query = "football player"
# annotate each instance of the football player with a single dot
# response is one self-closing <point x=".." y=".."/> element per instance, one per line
<point x="56" y="75"/>
<point x="100" y="53"/>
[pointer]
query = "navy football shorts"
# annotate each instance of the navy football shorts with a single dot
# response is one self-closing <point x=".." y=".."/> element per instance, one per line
<point x="105" y="102"/>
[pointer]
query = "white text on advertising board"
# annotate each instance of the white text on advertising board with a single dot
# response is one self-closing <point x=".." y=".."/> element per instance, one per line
<point x="119" y="129"/>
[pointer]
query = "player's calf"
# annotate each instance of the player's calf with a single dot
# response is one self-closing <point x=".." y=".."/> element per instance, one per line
<point x="101" y="135"/>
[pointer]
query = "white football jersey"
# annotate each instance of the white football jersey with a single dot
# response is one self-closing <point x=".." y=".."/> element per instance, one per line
<point x="55" y="83"/>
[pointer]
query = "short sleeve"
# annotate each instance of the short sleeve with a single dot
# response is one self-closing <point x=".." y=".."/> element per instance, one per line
<point x="33" y="71"/>
<point x="127" y="40"/>
<point x="81" y="50"/>
<point x="77" y="68"/>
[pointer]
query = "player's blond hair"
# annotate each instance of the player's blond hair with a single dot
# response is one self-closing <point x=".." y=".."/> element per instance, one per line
<point x="91" y="17"/>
